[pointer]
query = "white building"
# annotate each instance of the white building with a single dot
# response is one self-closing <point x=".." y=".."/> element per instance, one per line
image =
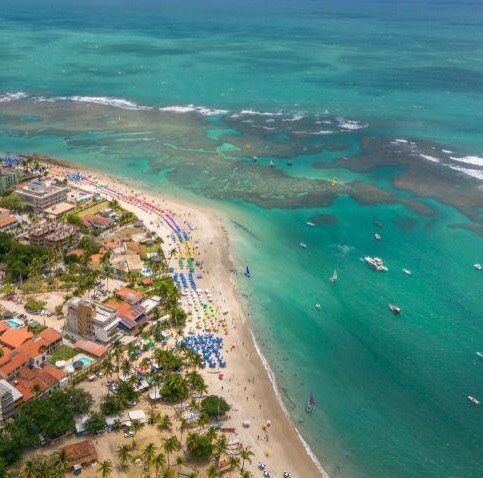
<point x="92" y="320"/>
<point x="40" y="195"/>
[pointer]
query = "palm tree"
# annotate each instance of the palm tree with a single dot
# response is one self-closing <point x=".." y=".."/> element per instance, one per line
<point x="159" y="461"/>
<point x="164" y="423"/>
<point x="246" y="456"/>
<point x="152" y="416"/>
<point x="246" y="474"/>
<point x="179" y="462"/>
<point x="169" y="473"/>
<point x="124" y="454"/>
<point x="107" y="367"/>
<point x="211" y="433"/>
<point x="29" y="470"/>
<point x="126" y="367"/>
<point x="61" y="461"/>
<point x="171" y="445"/>
<point x="116" y="350"/>
<point x="105" y="468"/>
<point x="221" y="446"/>
<point x="183" y="426"/>
<point x="234" y="463"/>
<point x="196" y="382"/>
<point x="149" y="453"/>
<point x="213" y="472"/>
<point x="136" y="425"/>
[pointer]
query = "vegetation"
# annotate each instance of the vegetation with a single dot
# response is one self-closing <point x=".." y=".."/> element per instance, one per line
<point x="175" y="388"/>
<point x="62" y="353"/>
<point x="35" y="306"/>
<point x="47" y="417"/>
<point x="12" y="202"/>
<point x="21" y="260"/>
<point x="214" y="406"/>
<point x="199" y="446"/>
<point x="96" y="423"/>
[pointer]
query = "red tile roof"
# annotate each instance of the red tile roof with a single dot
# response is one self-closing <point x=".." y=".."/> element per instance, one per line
<point x="50" y="336"/>
<point x="15" y="337"/>
<point x="28" y="379"/>
<point x="91" y="348"/>
<point x="130" y="295"/>
<point x="3" y="327"/>
<point x="124" y="309"/>
<point x="80" y="453"/>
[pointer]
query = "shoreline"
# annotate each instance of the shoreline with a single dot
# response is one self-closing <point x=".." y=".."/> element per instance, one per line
<point x="285" y="444"/>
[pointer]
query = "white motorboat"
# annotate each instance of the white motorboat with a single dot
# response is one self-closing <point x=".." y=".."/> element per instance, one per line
<point x="311" y="224"/>
<point x="318" y="306"/>
<point x="407" y="272"/>
<point x="376" y="263"/>
<point x="377" y="236"/>
<point x="478" y="266"/>
<point x="473" y="400"/>
<point x="480" y="354"/>
<point x="395" y="309"/>
<point x="303" y="245"/>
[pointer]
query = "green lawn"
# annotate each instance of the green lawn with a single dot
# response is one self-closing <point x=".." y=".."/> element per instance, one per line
<point x="63" y="353"/>
<point x="92" y="210"/>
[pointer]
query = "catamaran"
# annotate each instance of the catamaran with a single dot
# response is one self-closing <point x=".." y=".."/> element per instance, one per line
<point x="376" y="263"/>
<point x="334" y="277"/>
<point x="310" y="404"/>
<point x="478" y="267"/>
<point x="247" y="272"/>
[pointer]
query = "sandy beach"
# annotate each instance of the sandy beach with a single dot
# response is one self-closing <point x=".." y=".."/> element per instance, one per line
<point x="246" y="385"/>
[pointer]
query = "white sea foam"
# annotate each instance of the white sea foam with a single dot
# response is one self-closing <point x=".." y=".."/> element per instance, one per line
<point x="350" y="125"/>
<point x="476" y="160"/>
<point x="447" y="151"/>
<point x="9" y="96"/>
<point x="202" y="110"/>
<point x="97" y="100"/>
<point x="257" y="113"/>
<point x="475" y="173"/>
<point x="400" y="140"/>
<point x="316" y="133"/>
<point x="294" y="118"/>
<point x="273" y="381"/>
<point x="430" y="158"/>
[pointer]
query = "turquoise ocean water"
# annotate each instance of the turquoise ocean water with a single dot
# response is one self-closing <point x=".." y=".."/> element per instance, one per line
<point x="172" y="93"/>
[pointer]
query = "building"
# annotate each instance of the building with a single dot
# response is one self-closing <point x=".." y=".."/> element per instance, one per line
<point x="9" y="398"/>
<point x="92" y="320"/>
<point x="32" y="382"/>
<point x="9" y="178"/>
<point x="39" y="195"/>
<point x="52" y="234"/>
<point x="58" y="210"/>
<point x="80" y="454"/>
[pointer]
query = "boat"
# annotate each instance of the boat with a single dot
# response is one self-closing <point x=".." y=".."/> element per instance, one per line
<point x="376" y="263"/>
<point x="479" y="355"/>
<point x="311" y="403"/>
<point x="272" y="164"/>
<point x="407" y="272"/>
<point x="473" y="400"/>
<point x="478" y="266"/>
<point x="255" y="159"/>
<point x="395" y="309"/>
<point x="318" y="306"/>
<point x="311" y="224"/>
<point x="378" y="223"/>
<point x="377" y="236"/>
<point x="289" y="163"/>
<point x="333" y="277"/>
<point x="247" y="272"/>
<point x="303" y="245"/>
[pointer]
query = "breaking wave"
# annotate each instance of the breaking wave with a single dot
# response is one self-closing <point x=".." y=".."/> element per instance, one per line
<point x="202" y="110"/>
<point x="7" y="97"/>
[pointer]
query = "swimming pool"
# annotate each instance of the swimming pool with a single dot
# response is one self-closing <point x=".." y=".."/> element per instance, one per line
<point x="14" y="323"/>
<point x="84" y="359"/>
